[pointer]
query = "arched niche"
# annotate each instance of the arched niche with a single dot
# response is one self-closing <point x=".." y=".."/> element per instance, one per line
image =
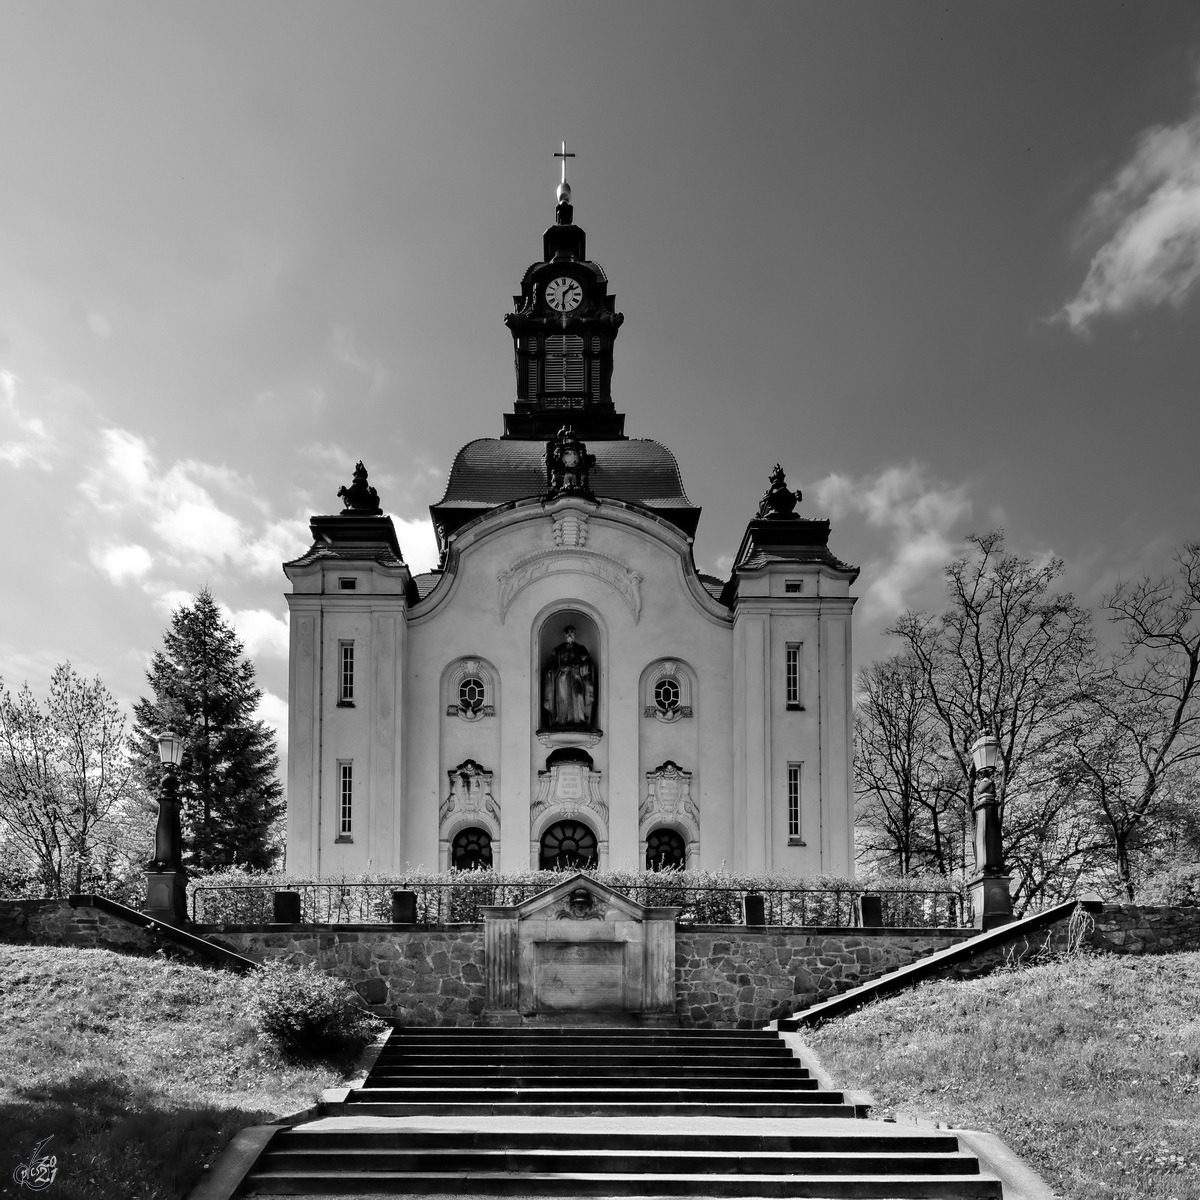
<point x="557" y="686"/>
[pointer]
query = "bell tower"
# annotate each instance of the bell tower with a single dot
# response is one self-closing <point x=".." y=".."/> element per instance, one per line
<point x="564" y="323"/>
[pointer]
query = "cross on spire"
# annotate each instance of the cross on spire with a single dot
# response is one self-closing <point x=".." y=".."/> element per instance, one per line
<point x="564" y="155"/>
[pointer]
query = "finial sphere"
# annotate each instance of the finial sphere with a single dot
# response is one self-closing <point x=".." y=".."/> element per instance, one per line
<point x="564" y="193"/>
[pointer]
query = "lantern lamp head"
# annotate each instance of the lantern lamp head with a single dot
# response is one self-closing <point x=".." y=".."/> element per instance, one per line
<point x="170" y="748"/>
<point x="986" y="753"/>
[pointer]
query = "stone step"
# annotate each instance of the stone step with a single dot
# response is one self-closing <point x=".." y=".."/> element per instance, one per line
<point x="585" y="1106"/>
<point x="595" y="1160"/>
<point x="807" y="1139"/>
<point x="613" y="1057"/>
<point x="570" y="1184"/>
<point x="575" y="1031"/>
<point x="564" y="1078"/>
<point x="604" y="1066"/>
<point x="584" y="1089"/>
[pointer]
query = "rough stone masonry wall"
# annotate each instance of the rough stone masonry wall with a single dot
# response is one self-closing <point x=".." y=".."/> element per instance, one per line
<point x="725" y="976"/>
<point x="56" y="923"/>
<point x="733" y="977"/>
<point x="420" y="976"/>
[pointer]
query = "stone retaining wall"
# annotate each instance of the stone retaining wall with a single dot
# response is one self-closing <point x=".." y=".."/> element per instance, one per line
<point x="725" y="975"/>
<point x="421" y="976"/>
<point x="737" y="977"/>
<point x="56" y="923"/>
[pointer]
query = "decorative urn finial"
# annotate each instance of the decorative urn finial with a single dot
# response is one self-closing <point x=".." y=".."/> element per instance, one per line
<point x="568" y="465"/>
<point x="360" y="498"/>
<point x="780" y="501"/>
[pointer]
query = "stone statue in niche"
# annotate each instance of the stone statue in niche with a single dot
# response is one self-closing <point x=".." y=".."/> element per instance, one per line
<point x="569" y="685"/>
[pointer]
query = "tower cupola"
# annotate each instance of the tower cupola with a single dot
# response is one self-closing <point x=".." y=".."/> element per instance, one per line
<point x="564" y="325"/>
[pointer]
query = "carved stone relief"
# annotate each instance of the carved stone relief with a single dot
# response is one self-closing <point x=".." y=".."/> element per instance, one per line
<point x="669" y="795"/>
<point x="570" y="788"/>
<point x="627" y="584"/>
<point x="470" y="794"/>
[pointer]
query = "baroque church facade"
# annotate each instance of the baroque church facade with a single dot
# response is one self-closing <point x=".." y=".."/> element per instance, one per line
<point x="566" y="688"/>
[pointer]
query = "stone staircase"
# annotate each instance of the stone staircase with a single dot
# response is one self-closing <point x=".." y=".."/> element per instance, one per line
<point x="606" y="1111"/>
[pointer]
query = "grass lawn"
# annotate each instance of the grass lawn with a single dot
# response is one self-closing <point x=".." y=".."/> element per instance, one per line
<point x="1089" y="1067"/>
<point x="141" y="1070"/>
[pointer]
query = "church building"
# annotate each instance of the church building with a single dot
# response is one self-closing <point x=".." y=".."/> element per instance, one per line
<point x="566" y="688"/>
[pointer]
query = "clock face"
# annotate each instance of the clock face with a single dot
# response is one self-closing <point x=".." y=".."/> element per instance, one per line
<point x="563" y="294"/>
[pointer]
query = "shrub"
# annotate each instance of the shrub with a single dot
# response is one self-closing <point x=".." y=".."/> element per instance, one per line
<point x="1177" y="885"/>
<point x="303" y="1009"/>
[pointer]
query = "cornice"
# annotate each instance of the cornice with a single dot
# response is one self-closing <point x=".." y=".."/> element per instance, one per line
<point x="555" y="558"/>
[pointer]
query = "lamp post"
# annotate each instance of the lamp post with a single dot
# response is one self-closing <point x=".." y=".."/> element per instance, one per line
<point x="990" y="898"/>
<point x="166" y="879"/>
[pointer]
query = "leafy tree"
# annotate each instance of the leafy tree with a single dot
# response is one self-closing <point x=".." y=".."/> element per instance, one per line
<point x="68" y="794"/>
<point x="205" y="689"/>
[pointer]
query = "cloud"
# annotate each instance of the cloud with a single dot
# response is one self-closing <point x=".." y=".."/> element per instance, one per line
<point x="261" y="632"/>
<point x="418" y="543"/>
<point x="120" y="563"/>
<point x="1149" y="216"/>
<point x="917" y="517"/>
<point x="179" y="506"/>
<point x="28" y="440"/>
<point x="274" y="710"/>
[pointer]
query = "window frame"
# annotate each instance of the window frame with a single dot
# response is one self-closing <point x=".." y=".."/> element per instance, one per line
<point x="345" y="676"/>
<point x="792" y="663"/>
<point x="795" y="793"/>
<point x="345" y="767"/>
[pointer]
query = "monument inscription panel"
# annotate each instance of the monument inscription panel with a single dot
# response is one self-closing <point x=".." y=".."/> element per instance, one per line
<point x="579" y="975"/>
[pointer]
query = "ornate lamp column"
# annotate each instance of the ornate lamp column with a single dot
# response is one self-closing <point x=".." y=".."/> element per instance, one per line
<point x="166" y="879"/>
<point x="990" y="898"/>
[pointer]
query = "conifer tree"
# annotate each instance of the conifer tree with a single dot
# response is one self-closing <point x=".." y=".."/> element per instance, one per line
<point x="205" y="689"/>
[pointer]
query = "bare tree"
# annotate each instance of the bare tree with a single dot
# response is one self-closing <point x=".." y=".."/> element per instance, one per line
<point x="908" y="813"/>
<point x="66" y="781"/>
<point x="1005" y="658"/>
<point x="1134" y="756"/>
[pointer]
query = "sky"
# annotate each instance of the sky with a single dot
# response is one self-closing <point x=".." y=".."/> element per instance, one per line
<point x="940" y="261"/>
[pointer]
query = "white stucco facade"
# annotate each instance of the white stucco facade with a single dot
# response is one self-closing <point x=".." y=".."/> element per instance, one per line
<point x="719" y="725"/>
<point x="506" y="581"/>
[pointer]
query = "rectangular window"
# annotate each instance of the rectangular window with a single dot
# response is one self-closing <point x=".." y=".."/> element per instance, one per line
<point x="346" y="800"/>
<point x="346" y="673"/>
<point x="348" y="585"/>
<point x="792" y="675"/>
<point x="794" y="802"/>
<point x="793" y="586"/>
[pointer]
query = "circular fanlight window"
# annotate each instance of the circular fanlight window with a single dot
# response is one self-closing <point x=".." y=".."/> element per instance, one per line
<point x="470" y="694"/>
<point x="471" y="850"/>
<point x="567" y="846"/>
<point x="665" y="850"/>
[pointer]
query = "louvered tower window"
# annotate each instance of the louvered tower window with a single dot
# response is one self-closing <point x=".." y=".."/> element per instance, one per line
<point x="564" y="370"/>
<point x="531" y="367"/>
<point x="595" y="366"/>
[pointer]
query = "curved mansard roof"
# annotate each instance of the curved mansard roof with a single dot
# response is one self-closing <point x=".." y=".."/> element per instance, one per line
<point x="492" y="471"/>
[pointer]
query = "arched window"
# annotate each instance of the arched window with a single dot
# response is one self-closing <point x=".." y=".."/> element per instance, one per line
<point x="567" y="846"/>
<point x="665" y="850"/>
<point x="668" y="691"/>
<point x="470" y="689"/>
<point x="471" y="850"/>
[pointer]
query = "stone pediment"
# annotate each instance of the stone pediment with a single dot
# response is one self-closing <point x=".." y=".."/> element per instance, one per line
<point x="563" y="902"/>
